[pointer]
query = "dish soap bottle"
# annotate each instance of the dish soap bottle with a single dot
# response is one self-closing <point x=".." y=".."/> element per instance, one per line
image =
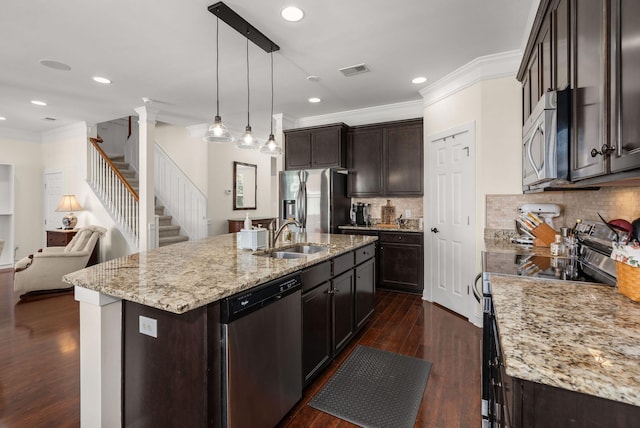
<point x="247" y="222"/>
<point x="557" y="247"/>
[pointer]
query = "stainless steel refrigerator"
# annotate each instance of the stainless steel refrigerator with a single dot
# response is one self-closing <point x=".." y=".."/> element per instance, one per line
<point x="321" y="201"/>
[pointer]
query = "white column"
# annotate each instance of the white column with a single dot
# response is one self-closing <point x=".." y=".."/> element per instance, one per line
<point x="147" y="124"/>
<point x="100" y="359"/>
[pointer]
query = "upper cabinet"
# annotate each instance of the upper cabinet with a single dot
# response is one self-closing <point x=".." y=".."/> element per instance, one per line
<point x="386" y="159"/>
<point x="315" y="147"/>
<point x="590" y="46"/>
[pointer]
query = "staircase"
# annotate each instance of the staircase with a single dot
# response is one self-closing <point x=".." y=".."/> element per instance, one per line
<point x="168" y="233"/>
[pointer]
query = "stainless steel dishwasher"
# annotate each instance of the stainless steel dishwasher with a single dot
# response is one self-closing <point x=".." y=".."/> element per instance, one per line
<point x="262" y="353"/>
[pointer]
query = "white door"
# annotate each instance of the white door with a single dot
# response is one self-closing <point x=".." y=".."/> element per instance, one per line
<point x="53" y="191"/>
<point x="450" y="222"/>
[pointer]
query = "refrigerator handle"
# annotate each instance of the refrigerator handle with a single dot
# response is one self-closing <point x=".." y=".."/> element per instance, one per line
<point x="301" y="199"/>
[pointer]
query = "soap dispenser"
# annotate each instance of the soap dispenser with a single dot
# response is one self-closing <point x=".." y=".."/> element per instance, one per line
<point x="247" y="222"/>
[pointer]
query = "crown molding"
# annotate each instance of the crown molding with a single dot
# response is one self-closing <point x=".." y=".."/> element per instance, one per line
<point x="365" y="116"/>
<point x="78" y="129"/>
<point x="20" y="135"/>
<point x="503" y="64"/>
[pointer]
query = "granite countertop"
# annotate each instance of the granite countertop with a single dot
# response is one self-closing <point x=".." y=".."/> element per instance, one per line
<point x="577" y="336"/>
<point x="182" y="277"/>
<point x="382" y="229"/>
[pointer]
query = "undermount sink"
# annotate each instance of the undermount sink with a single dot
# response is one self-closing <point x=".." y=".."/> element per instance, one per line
<point x="294" y="252"/>
<point x="284" y="255"/>
<point x="305" y="249"/>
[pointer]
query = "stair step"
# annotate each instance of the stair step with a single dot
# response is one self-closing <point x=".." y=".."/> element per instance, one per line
<point x="172" y="240"/>
<point x="163" y="220"/>
<point x="128" y="174"/>
<point x="118" y="158"/>
<point x="171" y="230"/>
<point x="160" y="211"/>
<point x="121" y="165"/>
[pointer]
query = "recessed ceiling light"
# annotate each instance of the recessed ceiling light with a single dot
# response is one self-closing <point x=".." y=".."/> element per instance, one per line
<point x="314" y="100"/>
<point x="419" y="80"/>
<point x="38" y="103"/>
<point x="103" y="80"/>
<point x="292" y="14"/>
<point x="56" y="65"/>
<point x="313" y="78"/>
<point x="3" y="118"/>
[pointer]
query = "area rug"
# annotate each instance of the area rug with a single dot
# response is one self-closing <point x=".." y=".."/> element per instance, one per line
<point x="375" y="388"/>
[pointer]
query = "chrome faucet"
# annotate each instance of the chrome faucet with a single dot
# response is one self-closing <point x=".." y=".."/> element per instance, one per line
<point x="274" y="236"/>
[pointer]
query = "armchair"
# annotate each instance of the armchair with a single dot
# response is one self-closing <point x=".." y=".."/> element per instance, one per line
<point x="44" y="270"/>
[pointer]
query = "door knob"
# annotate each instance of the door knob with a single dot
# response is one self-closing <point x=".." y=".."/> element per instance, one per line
<point x="435" y="230"/>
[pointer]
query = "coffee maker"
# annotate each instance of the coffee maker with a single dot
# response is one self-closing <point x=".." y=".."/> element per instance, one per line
<point x="360" y="214"/>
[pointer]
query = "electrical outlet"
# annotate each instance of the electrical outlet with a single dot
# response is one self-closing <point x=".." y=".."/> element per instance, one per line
<point x="148" y="326"/>
<point x="407" y="213"/>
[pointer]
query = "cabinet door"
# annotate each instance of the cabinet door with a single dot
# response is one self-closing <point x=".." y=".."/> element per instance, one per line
<point x="534" y="78"/>
<point x="561" y="40"/>
<point x="526" y="98"/>
<point x="626" y="85"/>
<point x="365" y="291"/>
<point x="546" y="64"/>
<point x="401" y="266"/>
<point x="403" y="158"/>
<point x="342" y="309"/>
<point x="365" y="162"/>
<point x="297" y="150"/>
<point x="316" y="331"/>
<point x="589" y="83"/>
<point x="327" y="148"/>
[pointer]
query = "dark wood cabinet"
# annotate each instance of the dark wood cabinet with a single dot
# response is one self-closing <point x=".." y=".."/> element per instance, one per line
<point x="343" y="328"/>
<point x="386" y="159"/>
<point x="561" y="45"/>
<point x="365" y="289"/>
<point x="589" y="88"/>
<point x="317" y="348"/>
<point x="315" y="147"/>
<point x="236" y="224"/>
<point x="364" y="156"/>
<point x="401" y="261"/>
<point x="625" y="106"/>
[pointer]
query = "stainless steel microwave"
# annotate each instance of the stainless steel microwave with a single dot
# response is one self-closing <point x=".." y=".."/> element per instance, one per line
<point x="545" y="142"/>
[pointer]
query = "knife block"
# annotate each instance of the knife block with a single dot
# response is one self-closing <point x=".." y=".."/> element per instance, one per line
<point x="544" y="234"/>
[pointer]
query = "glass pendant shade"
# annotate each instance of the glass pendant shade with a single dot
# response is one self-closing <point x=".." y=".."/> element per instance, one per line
<point x="217" y="132"/>
<point x="247" y="140"/>
<point x="270" y="147"/>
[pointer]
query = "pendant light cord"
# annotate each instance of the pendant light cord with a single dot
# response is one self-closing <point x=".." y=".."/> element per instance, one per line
<point x="248" y="88"/>
<point x="217" y="67"/>
<point x="271" y="118"/>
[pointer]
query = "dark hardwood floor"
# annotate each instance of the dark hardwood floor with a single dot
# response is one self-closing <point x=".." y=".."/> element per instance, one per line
<point x="39" y="361"/>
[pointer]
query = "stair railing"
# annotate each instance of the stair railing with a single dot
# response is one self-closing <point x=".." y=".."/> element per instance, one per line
<point x="117" y="195"/>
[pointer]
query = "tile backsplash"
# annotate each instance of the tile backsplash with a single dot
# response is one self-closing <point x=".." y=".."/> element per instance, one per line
<point x="401" y="204"/>
<point x="610" y="202"/>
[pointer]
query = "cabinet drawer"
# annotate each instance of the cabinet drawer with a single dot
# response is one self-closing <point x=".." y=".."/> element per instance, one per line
<point x="365" y="253"/>
<point x="404" y="238"/>
<point x="316" y="275"/>
<point x="342" y="263"/>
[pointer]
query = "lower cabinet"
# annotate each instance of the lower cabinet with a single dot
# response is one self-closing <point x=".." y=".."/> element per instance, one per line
<point x="338" y="298"/>
<point x="401" y="261"/>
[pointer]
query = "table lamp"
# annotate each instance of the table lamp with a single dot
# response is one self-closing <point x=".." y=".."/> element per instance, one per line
<point x="69" y="204"/>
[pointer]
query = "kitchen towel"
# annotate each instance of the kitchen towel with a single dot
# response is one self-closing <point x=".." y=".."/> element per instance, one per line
<point x="375" y="388"/>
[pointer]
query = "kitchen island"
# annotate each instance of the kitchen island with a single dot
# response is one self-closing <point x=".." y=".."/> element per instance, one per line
<point x="570" y="353"/>
<point x="178" y="288"/>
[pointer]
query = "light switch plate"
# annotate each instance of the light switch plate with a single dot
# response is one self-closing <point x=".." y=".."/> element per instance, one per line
<point x="148" y="326"/>
<point x="407" y="213"/>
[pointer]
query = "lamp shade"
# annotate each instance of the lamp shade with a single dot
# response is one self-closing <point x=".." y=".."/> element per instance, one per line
<point x="69" y="204"/>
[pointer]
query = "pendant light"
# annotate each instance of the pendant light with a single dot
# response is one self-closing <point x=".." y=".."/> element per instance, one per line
<point x="217" y="132"/>
<point x="270" y="146"/>
<point x="247" y="140"/>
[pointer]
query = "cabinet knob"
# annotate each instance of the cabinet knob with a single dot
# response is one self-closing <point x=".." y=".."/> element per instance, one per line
<point x="605" y="150"/>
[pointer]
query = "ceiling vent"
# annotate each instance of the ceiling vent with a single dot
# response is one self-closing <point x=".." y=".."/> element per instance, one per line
<point x="354" y="69"/>
<point x="50" y="119"/>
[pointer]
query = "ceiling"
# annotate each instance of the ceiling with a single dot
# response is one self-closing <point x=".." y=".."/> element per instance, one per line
<point x="164" y="50"/>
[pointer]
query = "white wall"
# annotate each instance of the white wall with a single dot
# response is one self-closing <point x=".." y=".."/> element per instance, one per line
<point x="28" y="222"/>
<point x="189" y="153"/>
<point x="495" y="107"/>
